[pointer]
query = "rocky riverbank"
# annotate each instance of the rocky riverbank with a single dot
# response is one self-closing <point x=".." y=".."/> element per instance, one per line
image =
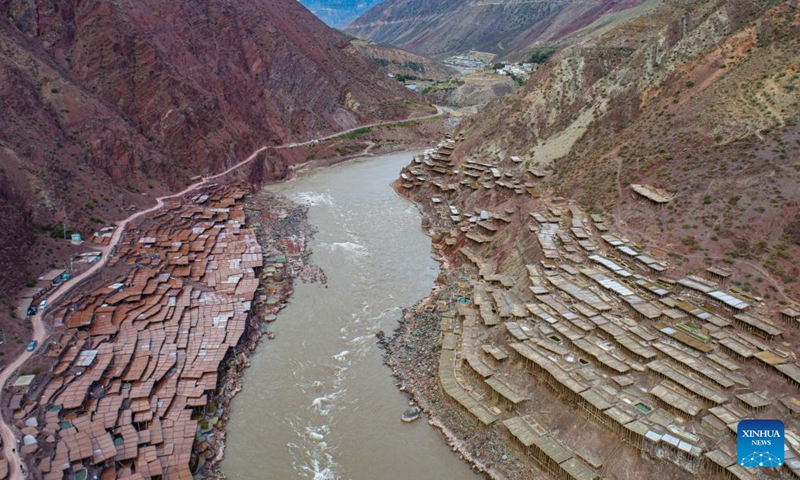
<point x="413" y="355"/>
<point x="282" y="230"/>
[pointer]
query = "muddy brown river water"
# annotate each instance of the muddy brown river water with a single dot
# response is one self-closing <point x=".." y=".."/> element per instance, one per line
<point x="317" y="401"/>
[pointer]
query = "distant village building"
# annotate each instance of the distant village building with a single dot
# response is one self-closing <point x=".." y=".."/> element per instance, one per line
<point x="515" y="70"/>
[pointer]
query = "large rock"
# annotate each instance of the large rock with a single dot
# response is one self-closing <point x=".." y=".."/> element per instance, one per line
<point x="411" y="414"/>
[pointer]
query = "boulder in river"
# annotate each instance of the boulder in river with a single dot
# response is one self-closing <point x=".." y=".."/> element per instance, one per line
<point x="411" y="414"/>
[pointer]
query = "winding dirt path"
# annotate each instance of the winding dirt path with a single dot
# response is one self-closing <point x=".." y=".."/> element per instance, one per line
<point x="16" y="469"/>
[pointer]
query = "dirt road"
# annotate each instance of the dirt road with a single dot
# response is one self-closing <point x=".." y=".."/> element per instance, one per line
<point x="16" y="469"/>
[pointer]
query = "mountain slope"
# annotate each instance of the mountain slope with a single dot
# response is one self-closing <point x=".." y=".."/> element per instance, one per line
<point x="400" y="62"/>
<point x="107" y="104"/>
<point x="455" y="26"/>
<point x="698" y="99"/>
<point x="338" y="13"/>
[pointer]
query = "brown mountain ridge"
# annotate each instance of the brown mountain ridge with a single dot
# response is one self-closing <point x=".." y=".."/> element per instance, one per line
<point x="107" y="104"/>
<point x="699" y="99"/>
<point x="505" y="27"/>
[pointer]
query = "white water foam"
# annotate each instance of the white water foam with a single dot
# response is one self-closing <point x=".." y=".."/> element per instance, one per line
<point x="388" y="312"/>
<point x="342" y="356"/>
<point x="317" y="433"/>
<point x="361" y="339"/>
<point x="340" y="371"/>
<point x="313" y="198"/>
<point x="319" y="474"/>
<point x="317" y="462"/>
<point x="348" y="247"/>
<point x="312" y="457"/>
<point x="324" y="404"/>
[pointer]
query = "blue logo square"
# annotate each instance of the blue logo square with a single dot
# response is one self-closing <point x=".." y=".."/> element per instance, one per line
<point x="760" y="443"/>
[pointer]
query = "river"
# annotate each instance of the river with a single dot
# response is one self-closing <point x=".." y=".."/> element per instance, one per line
<point x="317" y="401"/>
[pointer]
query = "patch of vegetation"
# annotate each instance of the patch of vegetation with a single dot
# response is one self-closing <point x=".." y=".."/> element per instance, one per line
<point x="415" y="66"/>
<point x="355" y="133"/>
<point x="405" y="78"/>
<point x="521" y="81"/>
<point x="542" y="54"/>
<point x="451" y="84"/>
<point x="57" y="231"/>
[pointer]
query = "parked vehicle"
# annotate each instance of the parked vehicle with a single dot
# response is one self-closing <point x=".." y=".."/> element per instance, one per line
<point x="32" y="345"/>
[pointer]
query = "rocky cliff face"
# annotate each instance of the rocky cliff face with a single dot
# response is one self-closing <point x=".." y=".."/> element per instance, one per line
<point x="502" y="27"/>
<point x="106" y="104"/>
<point x="698" y="99"/>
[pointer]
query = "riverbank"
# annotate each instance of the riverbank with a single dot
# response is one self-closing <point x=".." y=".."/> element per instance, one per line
<point x="282" y="230"/>
<point x="318" y="402"/>
<point x="546" y="344"/>
<point x="209" y="416"/>
<point x="412" y="353"/>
